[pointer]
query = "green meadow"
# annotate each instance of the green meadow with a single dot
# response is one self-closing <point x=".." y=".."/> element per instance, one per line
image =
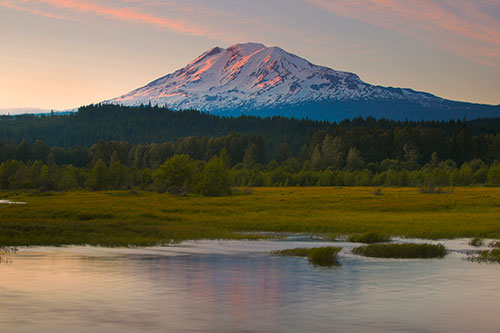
<point x="130" y="218"/>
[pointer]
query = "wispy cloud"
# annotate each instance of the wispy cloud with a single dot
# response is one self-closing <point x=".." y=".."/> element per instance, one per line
<point x="20" y="7"/>
<point x="463" y="27"/>
<point x="123" y="11"/>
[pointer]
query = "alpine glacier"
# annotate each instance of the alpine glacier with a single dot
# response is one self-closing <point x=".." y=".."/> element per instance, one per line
<point x="255" y="79"/>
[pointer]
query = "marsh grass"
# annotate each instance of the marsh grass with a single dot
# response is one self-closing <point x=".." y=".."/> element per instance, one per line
<point x="121" y="218"/>
<point x="489" y="256"/>
<point x="494" y="244"/>
<point x="407" y="250"/>
<point x="431" y="189"/>
<point x="476" y="241"/>
<point x="297" y="252"/>
<point x="320" y="256"/>
<point x="369" y="237"/>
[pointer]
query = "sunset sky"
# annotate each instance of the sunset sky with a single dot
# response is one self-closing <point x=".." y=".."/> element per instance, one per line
<point x="61" y="54"/>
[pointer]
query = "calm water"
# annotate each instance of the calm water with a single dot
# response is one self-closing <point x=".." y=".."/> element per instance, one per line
<point x="237" y="286"/>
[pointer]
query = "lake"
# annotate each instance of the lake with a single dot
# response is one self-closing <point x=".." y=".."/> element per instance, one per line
<point x="227" y="286"/>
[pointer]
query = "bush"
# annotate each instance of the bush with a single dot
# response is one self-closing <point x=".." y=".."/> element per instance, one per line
<point x="409" y="250"/>
<point x="370" y="237"/>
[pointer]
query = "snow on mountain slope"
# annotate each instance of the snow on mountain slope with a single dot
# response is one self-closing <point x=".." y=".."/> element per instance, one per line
<point x="252" y="76"/>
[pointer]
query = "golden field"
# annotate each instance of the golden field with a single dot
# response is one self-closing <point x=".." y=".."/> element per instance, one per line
<point x="124" y="218"/>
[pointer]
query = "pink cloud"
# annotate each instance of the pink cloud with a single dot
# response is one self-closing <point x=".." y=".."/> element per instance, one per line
<point x="119" y="13"/>
<point x="459" y="26"/>
<point x="10" y="5"/>
<point x="126" y="14"/>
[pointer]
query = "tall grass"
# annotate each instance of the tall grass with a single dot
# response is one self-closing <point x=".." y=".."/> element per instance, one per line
<point x="476" y="241"/>
<point x="320" y="256"/>
<point x="369" y="237"/>
<point x="491" y="256"/>
<point x="296" y="252"/>
<point x="121" y="218"/>
<point x="407" y="250"/>
<point x="494" y="244"/>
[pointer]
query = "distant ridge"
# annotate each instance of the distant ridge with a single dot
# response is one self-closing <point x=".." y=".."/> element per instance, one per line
<point x="254" y="79"/>
<point x="16" y="111"/>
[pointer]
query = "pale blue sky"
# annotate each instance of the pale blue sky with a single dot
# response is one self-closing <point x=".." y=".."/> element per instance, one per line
<point x="61" y="54"/>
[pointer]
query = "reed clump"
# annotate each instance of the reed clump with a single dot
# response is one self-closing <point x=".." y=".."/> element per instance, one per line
<point x="476" y="241"/>
<point x="494" y="244"/>
<point x="370" y="237"/>
<point x="320" y="256"/>
<point x="407" y="250"/>
<point x="489" y="256"/>
<point x="297" y="252"/>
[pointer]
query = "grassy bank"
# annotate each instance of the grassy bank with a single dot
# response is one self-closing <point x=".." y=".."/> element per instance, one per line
<point x="143" y="218"/>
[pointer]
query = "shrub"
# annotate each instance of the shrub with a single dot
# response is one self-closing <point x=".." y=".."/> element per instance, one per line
<point x="408" y="250"/>
<point x="370" y="237"/>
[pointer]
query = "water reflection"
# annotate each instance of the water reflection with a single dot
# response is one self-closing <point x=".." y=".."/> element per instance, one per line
<point x="105" y="290"/>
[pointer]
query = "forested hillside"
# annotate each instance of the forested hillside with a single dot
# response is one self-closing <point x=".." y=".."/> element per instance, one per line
<point x="376" y="140"/>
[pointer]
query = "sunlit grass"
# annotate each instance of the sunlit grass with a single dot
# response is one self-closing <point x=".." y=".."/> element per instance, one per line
<point x="369" y="237"/>
<point x="121" y="218"/>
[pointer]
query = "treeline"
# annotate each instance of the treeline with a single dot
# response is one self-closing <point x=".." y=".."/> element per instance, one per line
<point x="376" y="140"/>
<point x="138" y="155"/>
<point x="342" y="149"/>
<point x="182" y="174"/>
<point x="179" y="174"/>
<point x="62" y="152"/>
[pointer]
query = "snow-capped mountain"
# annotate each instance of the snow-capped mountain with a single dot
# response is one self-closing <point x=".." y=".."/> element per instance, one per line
<point x="256" y="79"/>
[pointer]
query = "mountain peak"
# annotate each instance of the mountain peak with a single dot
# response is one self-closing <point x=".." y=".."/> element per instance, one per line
<point x="249" y="77"/>
<point x="247" y="46"/>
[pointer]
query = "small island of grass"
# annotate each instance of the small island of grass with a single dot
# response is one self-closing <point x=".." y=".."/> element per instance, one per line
<point x="370" y="237"/>
<point x="476" y="242"/>
<point x="491" y="256"/>
<point x="321" y="256"/>
<point x="407" y="251"/>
